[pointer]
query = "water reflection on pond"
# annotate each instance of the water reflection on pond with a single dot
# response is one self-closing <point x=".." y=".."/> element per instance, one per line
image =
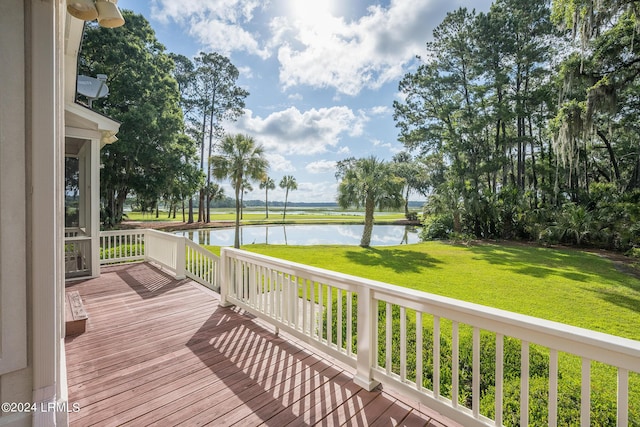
<point x="305" y="234"/>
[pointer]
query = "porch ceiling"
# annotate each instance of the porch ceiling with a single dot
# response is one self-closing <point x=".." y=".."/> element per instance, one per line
<point x="72" y="146"/>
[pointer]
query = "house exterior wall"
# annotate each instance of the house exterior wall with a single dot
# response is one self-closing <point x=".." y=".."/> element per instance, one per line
<point x="15" y="374"/>
<point x="32" y="210"/>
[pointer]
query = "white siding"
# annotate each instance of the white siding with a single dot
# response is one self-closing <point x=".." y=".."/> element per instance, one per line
<point x="13" y="304"/>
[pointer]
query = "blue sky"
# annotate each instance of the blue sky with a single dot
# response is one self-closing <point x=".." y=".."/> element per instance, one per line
<point x="322" y="75"/>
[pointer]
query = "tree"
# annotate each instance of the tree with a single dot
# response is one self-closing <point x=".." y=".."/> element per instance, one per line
<point x="574" y="222"/>
<point x="288" y="182"/>
<point x="187" y="179"/>
<point x="267" y="184"/>
<point x="586" y="18"/>
<point x="414" y="174"/>
<point x="184" y="73"/>
<point x="217" y="99"/>
<point x="246" y="188"/>
<point x="596" y="125"/>
<point x="213" y="193"/>
<point x="479" y="107"/>
<point x="239" y="158"/>
<point x="144" y="97"/>
<point x="370" y="182"/>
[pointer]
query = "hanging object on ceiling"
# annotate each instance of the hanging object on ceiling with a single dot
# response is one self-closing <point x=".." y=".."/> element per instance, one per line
<point x="109" y="15"/>
<point x="105" y="11"/>
<point x="82" y="9"/>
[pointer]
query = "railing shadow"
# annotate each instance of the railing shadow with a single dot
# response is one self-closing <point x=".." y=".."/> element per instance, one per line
<point x="272" y="381"/>
<point x="147" y="280"/>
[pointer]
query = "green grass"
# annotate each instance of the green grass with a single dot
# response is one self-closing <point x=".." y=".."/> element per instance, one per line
<point x="151" y="216"/>
<point x="568" y="286"/>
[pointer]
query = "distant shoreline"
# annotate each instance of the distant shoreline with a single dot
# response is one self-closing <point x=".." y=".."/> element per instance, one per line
<point x="171" y="226"/>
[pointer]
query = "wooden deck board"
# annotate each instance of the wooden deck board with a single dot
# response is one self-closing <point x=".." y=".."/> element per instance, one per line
<point x="158" y="351"/>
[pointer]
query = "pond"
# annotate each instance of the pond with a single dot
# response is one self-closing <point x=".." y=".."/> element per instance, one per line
<point x="305" y="234"/>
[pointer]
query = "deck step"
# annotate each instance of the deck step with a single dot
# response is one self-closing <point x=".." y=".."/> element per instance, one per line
<point x="76" y="316"/>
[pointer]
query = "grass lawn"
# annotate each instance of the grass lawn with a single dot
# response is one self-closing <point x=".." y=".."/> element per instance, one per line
<point x="567" y="286"/>
<point x="564" y="285"/>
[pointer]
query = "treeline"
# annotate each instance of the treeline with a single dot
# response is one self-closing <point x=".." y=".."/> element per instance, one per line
<point x="228" y="202"/>
<point x="526" y="118"/>
<point x="171" y="111"/>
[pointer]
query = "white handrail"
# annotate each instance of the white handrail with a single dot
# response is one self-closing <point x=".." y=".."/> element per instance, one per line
<point x="201" y="265"/>
<point x="312" y="303"/>
<point x="348" y="318"/>
<point x="166" y="249"/>
<point x="122" y="246"/>
<point x="175" y="253"/>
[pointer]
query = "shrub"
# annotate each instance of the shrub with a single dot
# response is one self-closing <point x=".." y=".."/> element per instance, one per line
<point x="633" y="253"/>
<point x="436" y="227"/>
<point x="603" y="396"/>
<point x="411" y="216"/>
<point x="121" y="251"/>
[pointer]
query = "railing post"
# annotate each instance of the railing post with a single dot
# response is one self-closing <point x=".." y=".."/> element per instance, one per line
<point x="145" y="244"/>
<point x="181" y="258"/>
<point x="366" y="336"/>
<point x="224" y="278"/>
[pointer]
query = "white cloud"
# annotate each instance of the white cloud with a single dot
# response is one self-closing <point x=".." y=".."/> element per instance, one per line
<point x="314" y="45"/>
<point x="246" y="72"/>
<point x="234" y="11"/>
<point x="321" y="166"/>
<point x="279" y="163"/>
<point x="381" y="110"/>
<point x="225" y="38"/>
<point x="324" y="191"/>
<point x="217" y="24"/>
<point x="393" y="148"/>
<point x="308" y="132"/>
<point x="363" y="53"/>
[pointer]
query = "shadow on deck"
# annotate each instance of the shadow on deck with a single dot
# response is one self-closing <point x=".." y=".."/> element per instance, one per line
<point x="162" y="351"/>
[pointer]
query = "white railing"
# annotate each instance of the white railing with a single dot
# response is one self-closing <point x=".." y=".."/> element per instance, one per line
<point x="201" y="265"/>
<point x="456" y="357"/>
<point x="74" y="232"/>
<point x="177" y="254"/>
<point x="167" y="250"/>
<point x="122" y="246"/>
<point x="77" y="256"/>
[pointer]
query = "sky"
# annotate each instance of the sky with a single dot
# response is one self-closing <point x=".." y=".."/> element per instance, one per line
<point x="322" y="74"/>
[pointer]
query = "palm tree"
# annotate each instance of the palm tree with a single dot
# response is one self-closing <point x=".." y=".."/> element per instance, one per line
<point x="287" y="182"/>
<point x="239" y="158"/>
<point x="414" y="173"/>
<point x="246" y="188"/>
<point x="575" y="221"/>
<point x="267" y="184"/>
<point x="369" y="182"/>
<point x="213" y="192"/>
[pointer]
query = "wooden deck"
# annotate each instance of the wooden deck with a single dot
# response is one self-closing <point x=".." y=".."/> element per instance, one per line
<point x="163" y="352"/>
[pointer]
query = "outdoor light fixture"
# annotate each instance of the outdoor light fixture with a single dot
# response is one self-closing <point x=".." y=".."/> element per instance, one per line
<point x="82" y="9"/>
<point x="109" y="15"/>
<point x="106" y="11"/>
